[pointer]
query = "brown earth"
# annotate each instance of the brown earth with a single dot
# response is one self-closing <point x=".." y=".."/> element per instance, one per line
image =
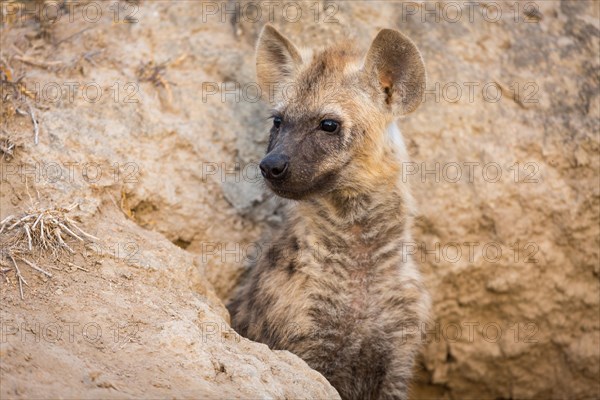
<point x="162" y="167"/>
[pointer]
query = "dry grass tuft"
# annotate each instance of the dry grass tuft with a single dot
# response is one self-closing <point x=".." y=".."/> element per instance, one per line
<point x="47" y="230"/>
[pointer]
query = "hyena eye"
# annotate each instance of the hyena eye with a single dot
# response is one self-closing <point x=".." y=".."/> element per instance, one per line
<point x="277" y="122"/>
<point x="329" y="125"/>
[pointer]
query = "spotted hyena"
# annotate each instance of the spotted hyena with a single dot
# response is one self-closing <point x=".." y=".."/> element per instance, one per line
<point x="336" y="287"/>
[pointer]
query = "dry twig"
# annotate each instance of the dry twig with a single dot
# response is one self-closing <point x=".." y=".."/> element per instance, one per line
<point x="45" y="229"/>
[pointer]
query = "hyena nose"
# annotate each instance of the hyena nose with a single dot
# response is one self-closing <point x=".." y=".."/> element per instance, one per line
<point x="274" y="167"/>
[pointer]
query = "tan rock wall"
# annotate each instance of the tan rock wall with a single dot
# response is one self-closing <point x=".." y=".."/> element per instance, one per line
<point x="515" y="312"/>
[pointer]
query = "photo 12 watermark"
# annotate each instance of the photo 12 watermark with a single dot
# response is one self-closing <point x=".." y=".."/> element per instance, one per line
<point x="89" y="172"/>
<point x="450" y="172"/>
<point x="68" y="332"/>
<point x="450" y="252"/>
<point x="470" y="172"/>
<point x="261" y="12"/>
<point x="71" y="92"/>
<point x="452" y="332"/>
<point x="464" y="92"/>
<point x="50" y="12"/>
<point x="452" y="12"/>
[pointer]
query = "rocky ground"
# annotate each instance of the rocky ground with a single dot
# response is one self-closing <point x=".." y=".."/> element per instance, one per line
<point x="149" y="125"/>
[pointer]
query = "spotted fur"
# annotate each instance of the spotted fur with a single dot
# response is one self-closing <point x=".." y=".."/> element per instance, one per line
<point x="336" y="287"/>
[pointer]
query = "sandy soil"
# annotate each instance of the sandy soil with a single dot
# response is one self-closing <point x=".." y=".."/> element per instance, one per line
<point x="161" y="167"/>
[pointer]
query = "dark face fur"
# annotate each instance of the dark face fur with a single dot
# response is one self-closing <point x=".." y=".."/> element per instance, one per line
<point x="306" y="152"/>
<point x="331" y="112"/>
<point x="304" y="155"/>
<point x="312" y="137"/>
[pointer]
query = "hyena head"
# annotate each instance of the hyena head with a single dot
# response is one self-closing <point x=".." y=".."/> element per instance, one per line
<point x="331" y="111"/>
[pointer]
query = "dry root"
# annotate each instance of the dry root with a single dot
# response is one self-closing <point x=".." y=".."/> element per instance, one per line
<point x="49" y="231"/>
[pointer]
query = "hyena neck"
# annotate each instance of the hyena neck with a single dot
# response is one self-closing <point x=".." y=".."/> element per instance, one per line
<point x="366" y="214"/>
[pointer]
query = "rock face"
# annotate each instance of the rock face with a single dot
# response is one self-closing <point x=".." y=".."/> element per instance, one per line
<point x="140" y="324"/>
<point x="130" y="315"/>
<point x="163" y="167"/>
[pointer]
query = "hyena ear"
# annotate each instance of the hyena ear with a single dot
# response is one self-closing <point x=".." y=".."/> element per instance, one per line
<point x="399" y="68"/>
<point x="276" y="58"/>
